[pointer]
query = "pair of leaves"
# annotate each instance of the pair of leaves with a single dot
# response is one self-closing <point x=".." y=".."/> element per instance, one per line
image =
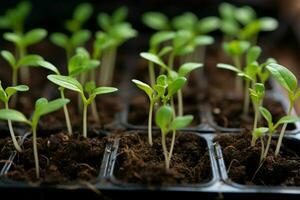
<point x="257" y="93"/>
<point x="118" y="16"/>
<point x="164" y="119"/>
<point x="9" y="91"/>
<point x="236" y="47"/>
<point x="79" y="38"/>
<point x="31" y="37"/>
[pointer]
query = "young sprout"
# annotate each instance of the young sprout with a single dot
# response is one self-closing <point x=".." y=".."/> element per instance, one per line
<point x="72" y="84"/>
<point x="5" y="97"/>
<point x="289" y="82"/>
<point x="42" y="107"/>
<point x="167" y="123"/>
<point x="157" y="21"/>
<point x="259" y="133"/>
<point x="257" y="95"/>
<point x="78" y="35"/>
<point x="118" y="30"/>
<point x="22" y="42"/>
<point x="273" y="126"/>
<point x="163" y="90"/>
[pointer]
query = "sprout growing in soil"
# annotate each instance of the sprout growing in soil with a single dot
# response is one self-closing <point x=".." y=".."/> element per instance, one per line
<point x="257" y="95"/>
<point x="72" y="84"/>
<point x="5" y="97"/>
<point x="78" y="36"/>
<point x="22" y="42"/>
<point x="273" y="126"/>
<point x="118" y="31"/>
<point x="42" y="107"/>
<point x="163" y="90"/>
<point x="289" y="82"/>
<point x="164" y="118"/>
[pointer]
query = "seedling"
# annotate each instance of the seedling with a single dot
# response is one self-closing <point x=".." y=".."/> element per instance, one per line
<point x="289" y="82"/>
<point x="5" y="97"/>
<point x="273" y="126"/>
<point x="78" y="35"/>
<point x="167" y="123"/>
<point x="42" y="107"/>
<point x="118" y="31"/>
<point x="72" y="84"/>
<point x="162" y="91"/>
<point x="257" y="94"/>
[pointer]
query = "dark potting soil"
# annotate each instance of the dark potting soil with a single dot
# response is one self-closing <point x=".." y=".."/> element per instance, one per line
<point x="244" y="161"/>
<point x="6" y="148"/>
<point x="139" y="107"/>
<point x="138" y="162"/>
<point x="63" y="159"/>
<point x="229" y="113"/>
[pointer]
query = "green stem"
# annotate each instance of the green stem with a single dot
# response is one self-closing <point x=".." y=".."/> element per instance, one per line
<point x="262" y="149"/>
<point x="164" y="146"/>
<point x="13" y="100"/>
<point x="238" y="79"/>
<point x="95" y="112"/>
<point x="246" y="98"/>
<point x="173" y="106"/>
<point x="111" y="68"/>
<point x="151" y="74"/>
<point x="66" y="112"/>
<point x="104" y="67"/>
<point x="268" y="145"/>
<point x="172" y="145"/>
<point x="171" y="60"/>
<point x="180" y="103"/>
<point x="24" y="71"/>
<point x="254" y="125"/>
<point x="282" y="132"/>
<point x="84" y="120"/>
<point x="12" y="133"/>
<point x="35" y="152"/>
<point x="150" y="123"/>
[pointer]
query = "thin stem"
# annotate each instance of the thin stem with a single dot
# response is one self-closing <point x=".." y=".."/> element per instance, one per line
<point x="13" y="99"/>
<point x="171" y="60"/>
<point x="150" y="123"/>
<point x="66" y="112"/>
<point x="254" y="125"/>
<point x="95" y="112"/>
<point x="35" y="152"/>
<point x="262" y="149"/>
<point x="24" y="71"/>
<point x="246" y="98"/>
<point x="111" y="68"/>
<point x="172" y="144"/>
<point x="180" y="103"/>
<point x="164" y="146"/>
<point x="238" y="79"/>
<point x="173" y="106"/>
<point x="151" y="73"/>
<point x="12" y="134"/>
<point x="268" y="145"/>
<point x="282" y="132"/>
<point x="104" y="67"/>
<point x="84" y="120"/>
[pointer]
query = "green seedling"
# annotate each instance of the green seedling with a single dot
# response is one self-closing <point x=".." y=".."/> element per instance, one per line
<point x="167" y="123"/>
<point x="273" y="126"/>
<point x="42" y="107"/>
<point x="119" y="31"/>
<point x="72" y="84"/>
<point x="157" y="21"/>
<point x="289" y="82"/>
<point x="22" y="42"/>
<point x="79" y="36"/>
<point x="5" y="95"/>
<point x="162" y="91"/>
<point x="257" y="95"/>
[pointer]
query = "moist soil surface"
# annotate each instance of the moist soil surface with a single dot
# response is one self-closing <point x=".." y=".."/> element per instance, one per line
<point x="138" y="162"/>
<point x="63" y="159"/>
<point x="244" y="161"/>
<point x="6" y="148"/>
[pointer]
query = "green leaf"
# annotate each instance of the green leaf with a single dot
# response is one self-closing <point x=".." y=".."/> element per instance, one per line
<point x="9" y="57"/>
<point x="176" y="85"/>
<point x="43" y="106"/>
<point x="83" y="12"/>
<point x="12" y="37"/>
<point x="163" y="117"/>
<point x="164" y="51"/>
<point x="90" y="86"/>
<point x="203" y="40"/>
<point x="186" y="21"/>
<point x="13" y="89"/>
<point x="208" y="24"/>
<point x="181" y="39"/>
<point x="59" y="39"/>
<point x="80" y="37"/>
<point x="104" y="90"/>
<point x="153" y="58"/>
<point x="66" y="82"/>
<point x="48" y="65"/>
<point x="160" y="37"/>
<point x="120" y="15"/>
<point x="181" y="122"/>
<point x="257" y="133"/>
<point x="30" y="60"/>
<point x="245" y="15"/>
<point x="288" y="119"/>
<point x="268" y="24"/>
<point x="186" y="68"/>
<point x="104" y="21"/>
<point x="253" y="54"/>
<point x="227" y="11"/>
<point x="34" y="36"/>
<point x="145" y="87"/>
<point x="156" y="20"/>
<point x="229" y="67"/>
<point x="13" y="115"/>
<point x="266" y="114"/>
<point x="162" y="80"/>
<point x="230" y="27"/>
<point x="250" y="31"/>
<point x="283" y="76"/>
<point x="236" y="47"/>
